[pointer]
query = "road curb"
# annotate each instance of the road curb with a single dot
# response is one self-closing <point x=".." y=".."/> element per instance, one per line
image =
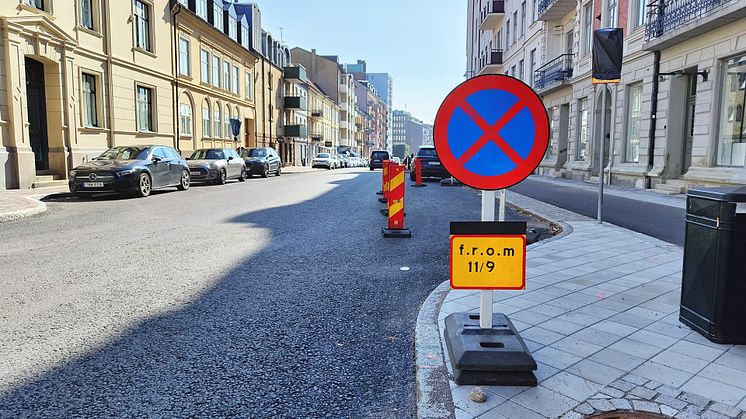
<point x="433" y="391"/>
<point x="38" y="208"/>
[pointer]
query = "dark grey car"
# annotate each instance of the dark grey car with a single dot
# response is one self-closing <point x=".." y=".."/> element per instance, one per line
<point x="216" y="165"/>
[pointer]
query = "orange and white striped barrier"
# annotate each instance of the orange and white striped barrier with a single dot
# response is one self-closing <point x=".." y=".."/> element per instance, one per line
<point x="395" y="227"/>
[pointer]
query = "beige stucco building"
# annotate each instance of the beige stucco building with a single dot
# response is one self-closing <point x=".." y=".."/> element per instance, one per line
<point x="323" y="116"/>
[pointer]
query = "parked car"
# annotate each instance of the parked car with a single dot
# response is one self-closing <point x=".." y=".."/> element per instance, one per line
<point x="376" y="159"/>
<point x="430" y="164"/>
<point x="216" y="165"/>
<point x="335" y="161"/>
<point x="139" y="169"/>
<point x="262" y="161"/>
<point x="343" y="162"/>
<point x="322" y="160"/>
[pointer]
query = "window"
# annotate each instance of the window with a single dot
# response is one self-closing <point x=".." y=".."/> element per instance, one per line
<point x="232" y="27"/>
<point x="227" y="122"/>
<point x="226" y="75"/>
<point x="533" y="10"/>
<point x="512" y="71"/>
<point x="507" y="34"/>
<point x="641" y="15"/>
<point x="206" y="128"/>
<point x="217" y="120"/>
<point x="90" y="107"/>
<point x="523" y="16"/>
<point x="732" y="133"/>
<point x="244" y="36"/>
<point x="612" y="14"/>
<point x="520" y="69"/>
<point x="142" y="25"/>
<point x="216" y="72"/>
<point x="581" y="149"/>
<point x="184" y="57"/>
<point x="144" y="108"/>
<point x="515" y="25"/>
<point x="531" y="66"/>
<point x="38" y="4"/>
<point x="249" y="88"/>
<point x="634" y="106"/>
<point x="217" y="15"/>
<point x="86" y="14"/>
<point x="234" y="80"/>
<point x="202" y="9"/>
<point x="550" y="147"/>
<point x="588" y="28"/>
<point x="204" y="65"/>
<point x="185" y="119"/>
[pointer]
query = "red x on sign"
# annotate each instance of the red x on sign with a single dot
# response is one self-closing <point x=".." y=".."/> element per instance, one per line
<point x="491" y="132"/>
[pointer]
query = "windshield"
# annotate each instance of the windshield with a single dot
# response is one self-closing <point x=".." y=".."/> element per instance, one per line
<point x="323" y="155"/>
<point x="254" y="152"/>
<point x="208" y="154"/>
<point x="380" y="155"/>
<point x="427" y="152"/>
<point x="124" y="153"/>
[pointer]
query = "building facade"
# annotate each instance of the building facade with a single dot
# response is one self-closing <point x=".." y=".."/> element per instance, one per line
<point x="407" y="130"/>
<point x="384" y="85"/>
<point x="323" y="114"/>
<point x="673" y="121"/>
<point x="295" y="104"/>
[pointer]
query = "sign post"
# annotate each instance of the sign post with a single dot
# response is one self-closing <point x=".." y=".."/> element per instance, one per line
<point x="490" y="133"/>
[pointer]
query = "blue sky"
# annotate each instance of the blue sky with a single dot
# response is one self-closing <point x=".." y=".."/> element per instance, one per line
<point x="420" y="43"/>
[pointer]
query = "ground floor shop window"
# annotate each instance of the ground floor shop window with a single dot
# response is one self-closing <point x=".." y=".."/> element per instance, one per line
<point x="634" y="105"/>
<point x="582" y="147"/>
<point x="732" y="130"/>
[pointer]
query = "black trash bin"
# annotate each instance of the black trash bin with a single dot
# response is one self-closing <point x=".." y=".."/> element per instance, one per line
<point x="713" y="289"/>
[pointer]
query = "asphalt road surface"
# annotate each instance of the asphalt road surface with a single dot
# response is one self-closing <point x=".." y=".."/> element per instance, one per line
<point x="657" y="220"/>
<point x="271" y="298"/>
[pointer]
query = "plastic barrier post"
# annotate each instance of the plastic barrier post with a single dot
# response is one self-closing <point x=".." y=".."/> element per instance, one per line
<point x="384" y="181"/>
<point x="396" y="204"/>
<point x="418" y="173"/>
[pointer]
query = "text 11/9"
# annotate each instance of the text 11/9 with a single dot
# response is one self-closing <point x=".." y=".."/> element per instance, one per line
<point x="479" y="267"/>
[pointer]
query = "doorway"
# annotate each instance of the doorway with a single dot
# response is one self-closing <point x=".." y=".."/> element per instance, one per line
<point x="36" y="101"/>
<point x="564" y="130"/>
<point x="688" y="137"/>
<point x="601" y="133"/>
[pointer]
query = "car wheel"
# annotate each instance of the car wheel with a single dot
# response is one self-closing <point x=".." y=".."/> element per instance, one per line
<point x="223" y="177"/>
<point x="279" y="171"/>
<point x="371" y="169"/>
<point x="145" y="185"/>
<point x="265" y="172"/>
<point x="243" y="176"/>
<point x="185" y="181"/>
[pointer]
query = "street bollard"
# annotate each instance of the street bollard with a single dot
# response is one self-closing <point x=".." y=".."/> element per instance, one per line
<point x="418" y="173"/>
<point x="384" y="180"/>
<point x="396" y="188"/>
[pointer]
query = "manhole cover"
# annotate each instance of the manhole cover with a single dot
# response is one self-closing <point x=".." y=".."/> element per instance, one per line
<point x="620" y="414"/>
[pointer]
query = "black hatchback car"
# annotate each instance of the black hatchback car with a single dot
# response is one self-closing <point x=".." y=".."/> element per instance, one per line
<point x="430" y="162"/>
<point x="377" y="157"/>
<point x="139" y="169"/>
<point x="262" y="161"/>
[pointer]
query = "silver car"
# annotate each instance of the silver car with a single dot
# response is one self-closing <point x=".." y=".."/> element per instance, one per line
<point x="322" y="160"/>
<point x="216" y="165"/>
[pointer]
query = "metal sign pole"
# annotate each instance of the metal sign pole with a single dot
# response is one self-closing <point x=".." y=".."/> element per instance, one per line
<point x="485" y="300"/>
<point x="602" y="152"/>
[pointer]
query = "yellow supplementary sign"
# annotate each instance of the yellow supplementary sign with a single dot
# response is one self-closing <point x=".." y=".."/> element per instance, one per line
<point x="488" y="262"/>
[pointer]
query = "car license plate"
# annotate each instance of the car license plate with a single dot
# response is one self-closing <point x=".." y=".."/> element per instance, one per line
<point x="434" y="163"/>
<point x="93" y="184"/>
<point x="196" y="173"/>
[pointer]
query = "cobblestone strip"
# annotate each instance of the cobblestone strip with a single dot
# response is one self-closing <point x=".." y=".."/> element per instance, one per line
<point x="632" y="392"/>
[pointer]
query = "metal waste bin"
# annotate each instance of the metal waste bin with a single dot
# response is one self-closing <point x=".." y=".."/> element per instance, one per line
<point x="713" y="289"/>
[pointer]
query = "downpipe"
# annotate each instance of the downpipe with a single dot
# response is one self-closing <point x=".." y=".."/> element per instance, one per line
<point x="653" y="117"/>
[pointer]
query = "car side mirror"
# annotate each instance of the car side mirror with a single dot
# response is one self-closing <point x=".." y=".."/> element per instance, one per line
<point x="156" y="159"/>
<point x="230" y="158"/>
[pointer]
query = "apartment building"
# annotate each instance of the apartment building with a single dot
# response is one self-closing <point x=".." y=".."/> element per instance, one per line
<point x="373" y="109"/>
<point x="674" y="120"/>
<point x="407" y="130"/>
<point x="295" y="105"/>
<point x="323" y="115"/>
<point x="384" y="85"/>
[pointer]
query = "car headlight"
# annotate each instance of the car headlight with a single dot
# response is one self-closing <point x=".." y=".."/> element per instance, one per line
<point x="212" y="166"/>
<point x="124" y="173"/>
<point x="72" y="174"/>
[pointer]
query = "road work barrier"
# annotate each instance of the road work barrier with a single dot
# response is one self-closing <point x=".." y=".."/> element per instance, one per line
<point x="418" y="173"/>
<point x="395" y="227"/>
<point x="384" y="180"/>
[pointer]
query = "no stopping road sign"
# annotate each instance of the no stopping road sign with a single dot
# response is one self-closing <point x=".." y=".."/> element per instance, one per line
<point x="491" y="132"/>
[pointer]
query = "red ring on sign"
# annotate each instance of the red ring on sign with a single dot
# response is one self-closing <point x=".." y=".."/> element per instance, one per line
<point x="526" y="96"/>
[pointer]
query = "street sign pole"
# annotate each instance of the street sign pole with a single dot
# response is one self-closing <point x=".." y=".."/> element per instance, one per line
<point x="485" y="300"/>
<point x="602" y="154"/>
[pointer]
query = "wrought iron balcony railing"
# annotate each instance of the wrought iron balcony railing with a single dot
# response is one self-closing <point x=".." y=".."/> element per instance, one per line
<point x="495" y="57"/>
<point x="554" y="72"/>
<point x="543" y="6"/>
<point x="664" y="16"/>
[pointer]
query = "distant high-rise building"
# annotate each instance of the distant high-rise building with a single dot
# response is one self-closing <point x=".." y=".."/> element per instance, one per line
<point x="407" y="130"/>
<point x="427" y="134"/>
<point x="357" y="68"/>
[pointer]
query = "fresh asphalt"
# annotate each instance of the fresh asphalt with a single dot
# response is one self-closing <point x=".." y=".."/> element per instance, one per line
<point x="661" y="221"/>
<point x="275" y="297"/>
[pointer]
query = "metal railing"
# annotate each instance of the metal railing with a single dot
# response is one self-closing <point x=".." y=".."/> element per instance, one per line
<point x="543" y="6"/>
<point x="553" y="72"/>
<point x="495" y="57"/>
<point x="665" y="16"/>
<point x="494" y="6"/>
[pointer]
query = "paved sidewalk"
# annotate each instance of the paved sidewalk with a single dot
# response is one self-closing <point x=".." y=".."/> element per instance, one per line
<point x="21" y="203"/>
<point x="600" y="316"/>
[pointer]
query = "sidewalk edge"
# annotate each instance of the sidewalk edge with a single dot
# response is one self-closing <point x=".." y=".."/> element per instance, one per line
<point x="39" y="207"/>
<point x="433" y="391"/>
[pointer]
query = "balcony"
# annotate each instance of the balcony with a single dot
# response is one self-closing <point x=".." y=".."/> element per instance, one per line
<point x="343" y="89"/>
<point x="493" y="63"/>
<point x="295" y="102"/>
<point x="295" y="74"/>
<point x="492" y="15"/>
<point x="674" y="21"/>
<point x="344" y="125"/>
<point x="553" y="74"/>
<point x="554" y="9"/>
<point x="296" y="131"/>
<point x="317" y="113"/>
<point x="316" y="136"/>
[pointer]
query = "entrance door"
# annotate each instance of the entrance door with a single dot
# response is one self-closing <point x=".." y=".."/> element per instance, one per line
<point x="691" y="99"/>
<point x="564" y="128"/>
<point x="37" y="113"/>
